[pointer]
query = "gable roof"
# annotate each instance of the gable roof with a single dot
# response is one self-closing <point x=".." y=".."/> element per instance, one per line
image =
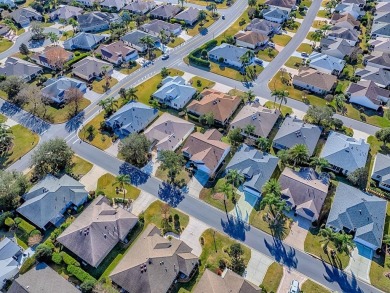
<point x="382" y="16"/>
<point x="338" y="18"/>
<point x="45" y="200"/>
<point x="327" y="62"/>
<point x="262" y="118"/>
<point x="262" y="25"/>
<point x="381" y="168"/>
<point x="380" y="76"/>
<point x="251" y="37"/>
<point x="345" y="152"/>
<point x="135" y="36"/>
<point x="66" y="12"/>
<point x="169" y="131"/>
<point x="165" y="11"/>
<point x="19" y="67"/>
<point x="8" y="264"/>
<point x="229" y="52"/>
<point x="82" y="40"/>
<point x="97" y="230"/>
<point x="316" y="78"/>
<point x="158" y="25"/>
<point x="360" y="212"/>
<point x="275" y="13"/>
<point x="42" y="279"/>
<point x="380" y="44"/>
<point x="380" y="28"/>
<point x="90" y="66"/>
<point x="378" y="59"/>
<point x="24" y="14"/>
<point x="118" y="4"/>
<point x="96" y="18"/>
<point x="306" y="190"/>
<point x="294" y="131"/>
<point x="153" y="263"/>
<point x="41" y="57"/>
<point x="368" y="89"/>
<point x="344" y="33"/>
<point x="256" y="166"/>
<point x="191" y="14"/>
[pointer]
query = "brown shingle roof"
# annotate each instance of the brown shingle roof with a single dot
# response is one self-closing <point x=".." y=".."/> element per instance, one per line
<point x="114" y="50"/>
<point x="281" y="3"/>
<point x="338" y="18"/>
<point x="251" y="37"/>
<point x="316" y="78"/>
<point x="368" y="89"/>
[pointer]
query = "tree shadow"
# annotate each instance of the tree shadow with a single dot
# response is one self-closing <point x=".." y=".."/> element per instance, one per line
<point x="281" y="254"/>
<point x="34" y="123"/>
<point x="170" y="193"/>
<point x="75" y="122"/>
<point x="9" y="109"/>
<point x="235" y="227"/>
<point x="137" y="176"/>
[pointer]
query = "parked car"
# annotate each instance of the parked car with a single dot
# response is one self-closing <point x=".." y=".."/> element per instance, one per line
<point x="304" y="54"/>
<point x="223" y="16"/>
<point x="294" y="287"/>
<point x="165" y="57"/>
<point x="272" y="45"/>
<point x="259" y="61"/>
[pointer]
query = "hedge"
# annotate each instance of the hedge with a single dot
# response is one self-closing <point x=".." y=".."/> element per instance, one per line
<point x="25" y="226"/>
<point x="56" y="258"/>
<point x="68" y="259"/>
<point x="4" y="216"/>
<point x="27" y="264"/>
<point x="199" y="61"/>
<point x="75" y="59"/>
<point x="79" y="273"/>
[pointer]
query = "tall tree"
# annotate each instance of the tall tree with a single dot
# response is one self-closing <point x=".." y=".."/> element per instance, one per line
<point x="208" y="119"/>
<point x="6" y="139"/>
<point x="263" y="144"/>
<point x="328" y="236"/>
<point x="359" y="177"/>
<point x="249" y="130"/>
<point x="12" y="86"/>
<point x="252" y="3"/>
<point x="279" y="95"/>
<point x="57" y="57"/>
<point x="235" y="178"/>
<point x="298" y="154"/>
<point x="272" y="186"/>
<point x="134" y="149"/>
<point x="108" y="105"/>
<point x="23" y="49"/>
<point x="12" y="186"/>
<point x="383" y="135"/>
<point x="235" y="137"/>
<point x="340" y="100"/>
<point x="171" y="161"/>
<point x="250" y="96"/>
<point x="320" y="115"/>
<point x="122" y="180"/>
<point x="73" y="97"/>
<point x="53" y="37"/>
<point x="148" y="42"/>
<point x="181" y="2"/>
<point x="236" y="258"/>
<point x="319" y="163"/>
<point x="131" y="94"/>
<point x="36" y="28"/>
<point x="202" y="16"/>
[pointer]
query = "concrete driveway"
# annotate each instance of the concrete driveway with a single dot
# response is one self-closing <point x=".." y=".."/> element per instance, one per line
<point x="143" y="201"/>
<point x="92" y="96"/>
<point x="192" y="233"/>
<point x="288" y="277"/>
<point x="299" y="229"/>
<point x="90" y="179"/>
<point x="118" y="75"/>
<point x="359" y="265"/>
<point x="244" y="205"/>
<point x="257" y="267"/>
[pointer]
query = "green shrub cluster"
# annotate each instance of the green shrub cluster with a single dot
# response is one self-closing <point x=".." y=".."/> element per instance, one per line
<point x="197" y="52"/>
<point x="75" y="59"/>
<point x="24" y="226"/>
<point x="79" y="273"/>
<point x="181" y="22"/>
<point x="4" y="216"/>
<point x="56" y="258"/>
<point x="27" y="264"/>
<point x="68" y="259"/>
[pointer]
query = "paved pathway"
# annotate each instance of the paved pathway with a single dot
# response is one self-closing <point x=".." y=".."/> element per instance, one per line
<point x="113" y="149"/>
<point x="359" y="266"/>
<point x="288" y="277"/>
<point x="257" y="267"/>
<point x="192" y="233"/>
<point x="118" y="75"/>
<point x="90" y="179"/>
<point x="144" y="200"/>
<point x="187" y="76"/>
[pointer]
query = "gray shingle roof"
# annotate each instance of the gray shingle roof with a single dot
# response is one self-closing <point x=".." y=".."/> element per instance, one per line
<point x="157" y="25"/>
<point x="381" y="168"/>
<point x="140" y="6"/>
<point x="344" y="33"/>
<point x="8" y="265"/>
<point x="84" y="40"/>
<point x="359" y="211"/>
<point x="381" y="28"/>
<point x="66" y="12"/>
<point x="275" y="13"/>
<point x="191" y="14"/>
<point x="91" y="66"/>
<point x="19" y="67"/>
<point x="322" y="61"/>
<point x="378" y="75"/>
<point x="21" y="15"/>
<point x="56" y="87"/>
<point x="135" y="36"/>
<point x="165" y="11"/>
<point x="336" y="48"/>
<point x="96" y="18"/>
<point x="262" y="25"/>
<point x="229" y="52"/>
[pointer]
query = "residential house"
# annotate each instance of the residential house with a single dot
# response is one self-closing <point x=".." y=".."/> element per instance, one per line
<point x="294" y="131"/>
<point x="380" y="44"/>
<point x="220" y="104"/>
<point x="140" y="7"/>
<point x="382" y="6"/>
<point x="49" y="199"/>
<point x="305" y="191"/>
<point x="4" y="30"/>
<point x="131" y="118"/>
<point x="380" y="29"/>
<point x="66" y="12"/>
<point x="345" y="21"/>
<point x="23" y="16"/>
<point x="8" y="3"/>
<point x="84" y="41"/>
<point x="88" y="3"/>
<point x="205" y="151"/>
<point x="360" y="3"/>
<point x="263" y="119"/>
<point x="251" y="39"/>
<point x="256" y="166"/>
<point x="230" y="54"/>
<point x="314" y="81"/>
<point x="275" y="15"/>
<point x="264" y="27"/>
<point x="381" y="23"/>
<point x="168" y="132"/>
<point x="10" y="256"/>
<point x="326" y="64"/>
<point x="21" y="68"/>
<point x="341" y="33"/>
<point x="114" y="5"/>
<point x="352" y="9"/>
<point x="55" y="88"/>
<point x="174" y="92"/>
<point x="345" y="154"/>
<point x="189" y="16"/>
<point x="381" y="171"/>
<point x="96" y="21"/>
<point x="90" y="68"/>
<point x="134" y="37"/>
<point x="228" y="281"/>
<point x="42" y="58"/>
<point x="156" y="26"/>
<point x="43" y="279"/>
<point x="165" y="11"/>
<point x="154" y="263"/>
<point x="286" y="5"/>
<point x="117" y="52"/>
<point x="380" y="76"/>
<point x="360" y="214"/>
<point x="336" y="48"/>
<point x="97" y="230"/>
<point x="378" y="59"/>
<point x="366" y="93"/>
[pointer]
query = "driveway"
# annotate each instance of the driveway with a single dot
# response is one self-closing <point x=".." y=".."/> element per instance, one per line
<point x="194" y="187"/>
<point x="90" y="179"/>
<point x="92" y="96"/>
<point x="117" y="75"/>
<point x="244" y="205"/>
<point x="299" y="229"/>
<point x="113" y="149"/>
<point x="359" y="264"/>
<point x="192" y="233"/>
<point x="143" y="201"/>
<point x="288" y="277"/>
<point x="221" y="87"/>
<point x="257" y="267"/>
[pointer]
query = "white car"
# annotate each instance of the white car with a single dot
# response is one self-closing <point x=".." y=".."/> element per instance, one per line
<point x="294" y="287"/>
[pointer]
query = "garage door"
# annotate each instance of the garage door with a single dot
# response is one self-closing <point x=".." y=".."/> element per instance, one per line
<point x="364" y="251"/>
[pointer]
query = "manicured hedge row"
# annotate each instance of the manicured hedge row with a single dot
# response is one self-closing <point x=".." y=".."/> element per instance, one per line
<point x="68" y="259"/>
<point x="75" y="59"/>
<point x="199" y="61"/>
<point x="25" y="226"/>
<point x="79" y="273"/>
<point x="27" y="264"/>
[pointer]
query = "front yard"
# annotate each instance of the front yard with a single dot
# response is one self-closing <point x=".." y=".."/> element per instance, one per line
<point x="273" y="277"/>
<point x="310" y="286"/>
<point x="198" y="28"/>
<point x="294" y="62"/>
<point x="200" y="83"/>
<point x="304" y="47"/>
<point x="126" y="70"/>
<point x="181" y="177"/>
<point x="100" y="86"/>
<point x="5" y="45"/>
<point x="281" y="40"/>
<point x="267" y="54"/>
<point x="176" y="42"/>
<point x="80" y="167"/>
<point x="106" y="185"/>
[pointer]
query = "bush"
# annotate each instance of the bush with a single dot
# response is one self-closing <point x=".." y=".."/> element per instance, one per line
<point x="78" y="57"/>
<point x="25" y="226"/>
<point x="35" y="232"/>
<point x="79" y="273"/>
<point x="4" y="216"/>
<point x="27" y="264"/>
<point x="43" y="252"/>
<point x="68" y="259"/>
<point x="9" y="222"/>
<point x="88" y="285"/>
<point x="56" y="258"/>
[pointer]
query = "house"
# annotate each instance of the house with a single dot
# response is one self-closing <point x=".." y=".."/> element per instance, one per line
<point x="189" y="16"/>
<point x="168" y="132"/>
<point x="48" y="200"/>
<point x="88" y="3"/>
<point x="117" y="52"/>
<point x="97" y="230"/>
<point x="165" y="11"/>
<point x="345" y="154"/>
<point x="97" y="21"/>
<point x="263" y="119"/>
<point x="10" y="256"/>
<point x="380" y="29"/>
<point x="305" y="191"/>
<point x="256" y="166"/>
<point x="352" y="9"/>
<point x="325" y="63"/>
<point x="140" y="7"/>
<point x="294" y="131"/>
<point x="381" y="171"/>
<point x="21" y="68"/>
<point x="378" y="59"/>
<point x="366" y="93"/>
<point x="45" y="57"/>
<point x="220" y="104"/>
<point x="380" y="44"/>
<point x="380" y="76"/>
<point x="206" y="151"/>
<point x="134" y="37"/>
<point x="345" y="21"/>
<point x="56" y="88"/>
<point x="90" y="68"/>
<point x="336" y="48"/>
<point x="65" y="12"/>
<point x="275" y="15"/>
<point x="314" y="81"/>
<point x="382" y="6"/>
<point x="382" y="16"/>
<point x="131" y="118"/>
<point x="360" y="3"/>
<point x="174" y="92"/>
<point x="227" y="282"/>
<point x="251" y="39"/>
<point x="153" y="263"/>
<point x="23" y="16"/>
<point x="264" y="27"/>
<point x="230" y="54"/>
<point x="341" y="33"/>
<point x="361" y="214"/>
<point x="8" y="3"/>
<point x="156" y="26"/>
<point x="4" y="30"/>
<point x="286" y="5"/>
<point x="84" y="41"/>
<point x="114" y="5"/>
<point x="42" y="279"/>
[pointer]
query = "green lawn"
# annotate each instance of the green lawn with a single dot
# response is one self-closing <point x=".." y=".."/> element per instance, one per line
<point x="176" y="42"/>
<point x="200" y="83"/>
<point x="5" y="45"/>
<point x="284" y="109"/>
<point x="310" y="286"/>
<point x="304" y="47"/>
<point x="163" y="175"/>
<point x="129" y="70"/>
<point x="268" y="54"/>
<point x="322" y="13"/>
<point x="281" y="40"/>
<point x="99" y="86"/>
<point x="80" y="167"/>
<point x="237" y="26"/>
<point x="273" y="277"/>
<point x="23" y="142"/>
<point x="69" y="34"/>
<point x="294" y="62"/>
<point x="233" y="73"/>
<point x="106" y="184"/>
<point x="3" y="118"/>
<point x="317" y="24"/>
<point x="206" y="3"/>
<point x="193" y="31"/>
<point x="99" y="139"/>
<point x="296" y="27"/>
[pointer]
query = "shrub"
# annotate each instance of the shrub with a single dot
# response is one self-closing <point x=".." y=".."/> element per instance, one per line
<point x="35" y="232"/>
<point x="27" y="264"/>
<point x="56" y="258"/>
<point x="79" y="273"/>
<point x="43" y="252"/>
<point x="25" y="226"/>
<point x="4" y="216"/>
<point x="68" y="259"/>
<point x="9" y="222"/>
<point x="88" y="285"/>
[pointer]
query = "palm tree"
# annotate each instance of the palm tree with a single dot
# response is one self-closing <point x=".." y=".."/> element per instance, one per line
<point x="276" y="94"/>
<point x="213" y="8"/>
<point x="344" y="242"/>
<point x="250" y="96"/>
<point x="202" y="15"/>
<point x="325" y="28"/>
<point x="275" y="204"/>
<point x="5" y="138"/>
<point x="263" y="144"/>
<point x="252" y="3"/>
<point x="319" y="163"/>
<point x="226" y="190"/>
<point x="131" y="94"/>
<point x="282" y="97"/>
<point x="73" y="23"/>
<point x="235" y="178"/>
<point x="164" y="37"/>
<point x="122" y="180"/>
<point x="249" y="130"/>
<point x="122" y="94"/>
<point x="53" y="37"/>
<point x="317" y="36"/>
<point x="181" y="2"/>
<point x="298" y="154"/>
<point x="272" y="186"/>
<point x="8" y="22"/>
<point x="149" y="43"/>
<point x="328" y="236"/>
<point x="108" y="104"/>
